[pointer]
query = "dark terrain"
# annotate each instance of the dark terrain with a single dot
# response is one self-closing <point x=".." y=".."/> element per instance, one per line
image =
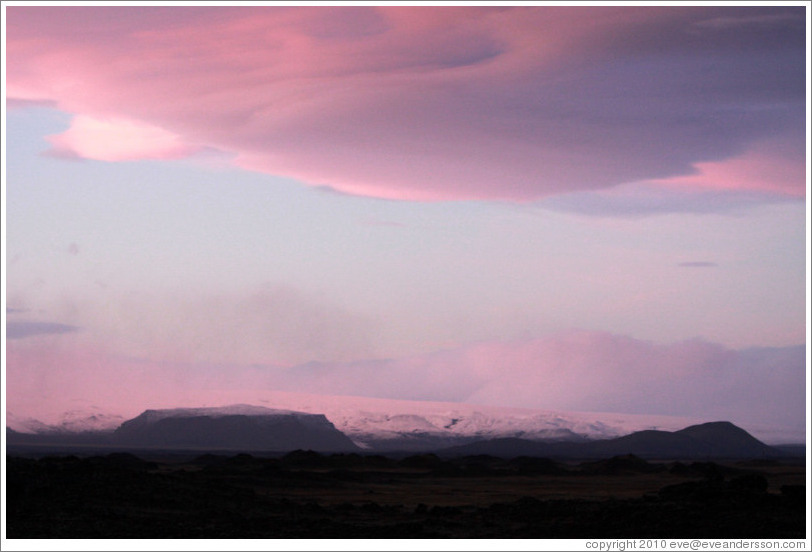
<point x="304" y="494"/>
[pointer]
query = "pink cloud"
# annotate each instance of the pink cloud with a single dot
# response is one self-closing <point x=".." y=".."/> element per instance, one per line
<point x="428" y="103"/>
<point x="770" y="167"/>
<point x="117" y="140"/>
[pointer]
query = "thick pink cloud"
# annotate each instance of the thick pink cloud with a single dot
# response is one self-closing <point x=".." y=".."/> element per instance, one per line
<point x="770" y="167"/>
<point x="424" y="103"/>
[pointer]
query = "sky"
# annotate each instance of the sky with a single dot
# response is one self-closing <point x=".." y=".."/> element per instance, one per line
<point x="577" y="208"/>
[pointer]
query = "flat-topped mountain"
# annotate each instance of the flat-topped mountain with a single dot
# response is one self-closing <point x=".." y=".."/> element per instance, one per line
<point x="237" y="427"/>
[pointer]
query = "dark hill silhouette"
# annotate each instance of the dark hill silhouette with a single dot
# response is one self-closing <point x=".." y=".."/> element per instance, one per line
<point x="710" y="440"/>
<point x="727" y="436"/>
<point x="663" y="444"/>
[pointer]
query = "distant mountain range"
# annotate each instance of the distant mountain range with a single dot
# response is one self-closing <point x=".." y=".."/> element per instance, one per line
<point x="256" y="428"/>
<point x="386" y="424"/>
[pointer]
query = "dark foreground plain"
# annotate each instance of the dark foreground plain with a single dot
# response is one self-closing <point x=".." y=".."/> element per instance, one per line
<point x="308" y="495"/>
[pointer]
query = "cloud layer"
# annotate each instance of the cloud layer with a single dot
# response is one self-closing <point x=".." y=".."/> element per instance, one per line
<point x="431" y="103"/>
